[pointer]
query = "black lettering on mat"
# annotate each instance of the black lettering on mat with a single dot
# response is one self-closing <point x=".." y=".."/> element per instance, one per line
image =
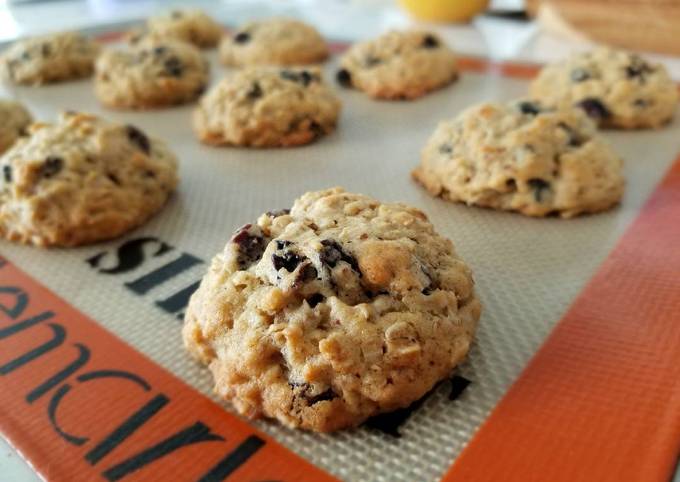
<point x="74" y="374"/>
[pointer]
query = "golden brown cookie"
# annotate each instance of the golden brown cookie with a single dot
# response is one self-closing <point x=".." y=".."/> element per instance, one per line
<point x="274" y="41"/>
<point x="153" y="73"/>
<point x="82" y="180"/>
<point x="267" y="107"/>
<point x="615" y="88"/>
<point x="333" y="311"/>
<point x="188" y="25"/>
<point x="522" y="157"/>
<point x="398" y="65"/>
<point x="49" y="58"/>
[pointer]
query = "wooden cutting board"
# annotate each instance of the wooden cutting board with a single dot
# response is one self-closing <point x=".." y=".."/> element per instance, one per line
<point x="649" y="25"/>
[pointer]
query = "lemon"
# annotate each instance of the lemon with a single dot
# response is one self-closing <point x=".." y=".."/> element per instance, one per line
<point x="444" y="10"/>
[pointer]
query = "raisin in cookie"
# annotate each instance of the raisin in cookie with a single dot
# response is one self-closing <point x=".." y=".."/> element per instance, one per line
<point x="398" y="65"/>
<point x="14" y="119"/>
<point x="154" y="73"/>
<point x="188" y="25"/>
<point x="521" y="157"/>
<point x="267" y="107"/>
<point x="615" y="88"/>
<point x="49" y="58"/>
<point x="333" y="311"/>
<point x="275" y="41"/>
<point x="82" y="180"/>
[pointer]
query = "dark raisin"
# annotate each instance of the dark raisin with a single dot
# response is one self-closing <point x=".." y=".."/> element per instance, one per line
<point x="289" y="75"/>
<point x="446" y="148"/>
<point x="45" y="50"/>
<point x="594" y="108"/>
<point x="251" y="245"/>
<point x="332" y="253"/>
<point x="322" y="397"/>
<point x="511" y="184"/>
<point x="344" y="78"/>
<point x="574" y="139"/>
<point x="173" y="66"/>
<point x="303" y="389"/>
<point x="282" y="243"/>
<point x="7" y="173"/>
<point x="52" y="166"/>
<point x="303" y="77"/>
<point x="315" y="299"/>
<point x="638" y="68"/>
<point x="139" y="139"/>
<point x="579" y="75"/>
<point x="641" y="103"/>
<point x="529" y="108"/>
<point x="316" y="129"/>
<point x="372" y="61"/>
<point x="430" y="42"/>
<point x="242" y="38"/>
<point x="287" y="260"/>
<point x="307" y="273"/>
<point x="158" y="51"/>
<point x="113" y="178"/>
<point x="277" y="213"/>
<point x="25" y="55"/>
<point x="458" y="385"/>
<point x="539" y="186"/>
<point x="306" y="78"/>
<point x="255" y="91"/>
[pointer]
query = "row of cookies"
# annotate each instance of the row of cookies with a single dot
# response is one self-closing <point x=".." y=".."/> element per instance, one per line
<point x="367" y="306"/>
<point x="341" y="307"/>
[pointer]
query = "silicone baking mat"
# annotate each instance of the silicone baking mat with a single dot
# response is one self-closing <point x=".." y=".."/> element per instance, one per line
<point x="528" y="272"/>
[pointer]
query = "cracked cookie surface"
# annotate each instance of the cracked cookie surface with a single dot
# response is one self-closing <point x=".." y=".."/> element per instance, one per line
<point x="522" y="157"/>
<point x="333" y="311"/>
<point x="615" y="88"/>
<point x="153" y="73"/>
<point x="398" y="65"/>
<point x="14" y="119"/>
<point x="267" y="107"/>
<point x="49" y="58"/>
<point x="82" y="180"/>
<point x="274" y="41"/>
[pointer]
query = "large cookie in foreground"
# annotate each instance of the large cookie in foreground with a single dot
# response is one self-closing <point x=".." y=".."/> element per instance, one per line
<point x="82" y="180"/>
<point x="522" y="157"/>
<point x="615" y="88"/>
<point x="334" y="311"/>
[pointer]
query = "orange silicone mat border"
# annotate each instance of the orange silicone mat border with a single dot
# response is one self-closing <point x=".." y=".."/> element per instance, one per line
<point x="79" y="404"/>
<point x="537" y="432"/>
<point x="600" y="401"/>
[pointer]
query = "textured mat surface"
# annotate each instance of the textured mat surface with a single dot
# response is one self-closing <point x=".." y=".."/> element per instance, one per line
<point x="528" y="271"/>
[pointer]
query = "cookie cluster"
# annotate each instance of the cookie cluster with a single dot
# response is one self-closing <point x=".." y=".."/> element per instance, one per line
<point x="341" y="307"/>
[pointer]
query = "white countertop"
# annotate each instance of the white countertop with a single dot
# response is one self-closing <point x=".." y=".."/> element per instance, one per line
<point x="340" y="20"/>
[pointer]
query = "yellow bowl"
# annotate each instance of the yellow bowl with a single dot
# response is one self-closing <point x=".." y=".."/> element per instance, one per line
<point x="444" y="10"/>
